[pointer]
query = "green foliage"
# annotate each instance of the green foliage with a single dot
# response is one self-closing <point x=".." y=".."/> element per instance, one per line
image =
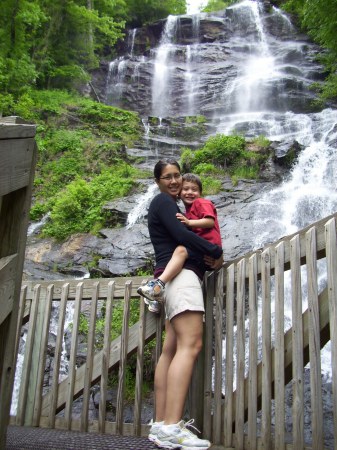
<point x="210" y="185"/>
<point x="219" y="150"/>
<point x="218" y="5"/>
<point x="244" y="172"/>
<point x="206" y="168"/>
<point x="261" y="141"/>
<point x="140" y="12"/>
<point x="228" y="153"/>
<point x="78" y="208"/>
<point x="319" y="19"/>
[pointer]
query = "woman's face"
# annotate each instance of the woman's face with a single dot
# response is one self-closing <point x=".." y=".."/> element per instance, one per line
<point x="170" y="180"/>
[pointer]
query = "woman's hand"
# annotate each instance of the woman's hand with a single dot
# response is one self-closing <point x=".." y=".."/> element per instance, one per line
<point x="213" y="263"/>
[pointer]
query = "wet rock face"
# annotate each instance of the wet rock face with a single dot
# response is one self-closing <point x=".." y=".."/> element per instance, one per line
<point x="205" y="58"/>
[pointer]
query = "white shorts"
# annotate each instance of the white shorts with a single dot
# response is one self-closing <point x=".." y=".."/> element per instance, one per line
<point x="183" y="293"/>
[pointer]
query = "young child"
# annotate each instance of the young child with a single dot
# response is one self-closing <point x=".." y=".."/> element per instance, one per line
<point x="201" y="217"/>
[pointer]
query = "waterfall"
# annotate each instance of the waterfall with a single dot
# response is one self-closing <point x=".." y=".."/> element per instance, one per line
<point x="248" y="72"/>
<point x="140" y="211"/>
<point x="161" y="77"/>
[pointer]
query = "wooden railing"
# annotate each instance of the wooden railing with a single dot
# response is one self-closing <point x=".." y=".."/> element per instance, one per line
<point x="250" y="354"/>
<point x="17" y="164"/>
<point x="53" y="408"/>
<point x="245" y="402"/>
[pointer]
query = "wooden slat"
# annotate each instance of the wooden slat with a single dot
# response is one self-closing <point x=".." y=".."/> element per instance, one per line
<point x="151" y="323"/>
<point x="87" y="287"/>
<point x="57" y="355"/>
<point x="320" y="227"/>
<point x="90" y="358"/>
<point x="253" y="336"/>
<point x="229" y="400"/>
<point x="279" y="348"/>
<point x="45" y="309"/>
<point x="240" y="356"/>
<point x="123" y="358"/>
<point x="106" y="357"/>
<point x="218" y="338"/>
<point x="8" y="265"/>
<point x="139" y="369"/>
<point x="73" y="355"/>
<point x="16" y="158"/>
<point x="22" y="401"/>
<point x="314" y="343"/>
<point x="209" y="290"/>
<point x="331" y="244"/>
<point x="266" y="350"/>
<point x="297" y="329"/>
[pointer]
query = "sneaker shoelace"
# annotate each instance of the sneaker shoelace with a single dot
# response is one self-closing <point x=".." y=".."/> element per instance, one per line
<point x="189" y="424"/>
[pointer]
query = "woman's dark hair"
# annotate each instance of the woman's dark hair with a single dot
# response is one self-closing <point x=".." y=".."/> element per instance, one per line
<point x="193" y="179"/>
<point x="158" y="168"/>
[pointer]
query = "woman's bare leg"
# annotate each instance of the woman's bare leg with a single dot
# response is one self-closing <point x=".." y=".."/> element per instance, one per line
<point x="160" y="377"/>
<point x="188" y="330"/>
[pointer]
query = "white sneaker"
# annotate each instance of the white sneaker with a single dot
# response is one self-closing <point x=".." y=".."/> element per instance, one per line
<point x="154" y="428"/>
<point x="180" y="436"/>
<point x="153" y="306"/>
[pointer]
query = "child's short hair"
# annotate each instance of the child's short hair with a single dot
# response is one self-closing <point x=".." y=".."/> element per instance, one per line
<point x="193" y="179"/>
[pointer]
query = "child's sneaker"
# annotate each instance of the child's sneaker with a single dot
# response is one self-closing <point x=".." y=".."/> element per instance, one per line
<point x="153" y="306"/>
<point x="153" y="290"/>
<point x="179" y="436"/>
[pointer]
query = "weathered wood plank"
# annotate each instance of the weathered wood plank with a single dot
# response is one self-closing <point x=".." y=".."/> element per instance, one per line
<point x="123" y="359"/>
<point x="14" y="210"/>
<point x="209" y="290"/>
<point x="16" y="158"/>
<point x="240" y="355"/>
<point x="57" y="356"/>
<point x="139" y="370"/>
<point x="218" y="329"/>
<point x="10" y="129"/>
<point x="7" y="284"/>
<point x="266" y="350"/>
<point x="73" y="355"/>
<point x="314" y="342"/>
<point x="106" y="357"/>
<point x="253" y="349"/>
<point x="87" y="288"/>
<point x="229" y="397"/>
<point x="331" y="243"/>
<point x="297" y="329"/>
<point x="90" y="358"/>
<point x="44" y="312"/>
<point x="27" y="362"/>
<point x="279" y="348"/>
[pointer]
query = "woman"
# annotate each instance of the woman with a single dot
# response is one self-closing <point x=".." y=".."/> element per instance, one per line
<point x="184" y="308"/>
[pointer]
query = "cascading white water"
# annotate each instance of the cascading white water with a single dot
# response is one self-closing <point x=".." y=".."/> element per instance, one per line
<point x="161" y="76"/>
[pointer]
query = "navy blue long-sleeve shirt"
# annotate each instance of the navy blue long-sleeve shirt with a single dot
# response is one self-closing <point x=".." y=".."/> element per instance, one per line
<point x="167" y="232"/>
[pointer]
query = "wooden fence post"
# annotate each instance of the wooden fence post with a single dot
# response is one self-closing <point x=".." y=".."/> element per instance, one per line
<point x="17" y="164"/>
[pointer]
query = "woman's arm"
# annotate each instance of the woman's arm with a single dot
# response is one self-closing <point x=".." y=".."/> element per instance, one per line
<point x="166" y="210"/>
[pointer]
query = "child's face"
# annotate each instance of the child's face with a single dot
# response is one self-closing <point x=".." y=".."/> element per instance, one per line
<point x="189" y="192"/>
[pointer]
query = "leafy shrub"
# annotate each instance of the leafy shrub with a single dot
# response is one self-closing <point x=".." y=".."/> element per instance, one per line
<point x="78" y="208"/>
<point x="210" y="186"/>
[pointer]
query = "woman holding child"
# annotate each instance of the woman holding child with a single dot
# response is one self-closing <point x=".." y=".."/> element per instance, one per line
<point x="184" y="308"/>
